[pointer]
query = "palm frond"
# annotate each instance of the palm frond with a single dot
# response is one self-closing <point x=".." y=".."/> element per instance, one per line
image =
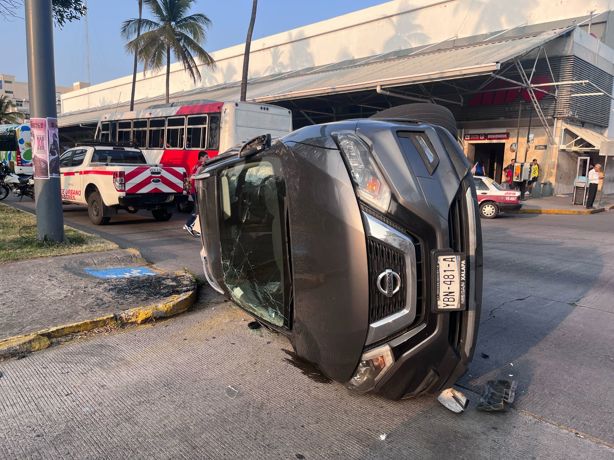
<point x="130" y="27"/>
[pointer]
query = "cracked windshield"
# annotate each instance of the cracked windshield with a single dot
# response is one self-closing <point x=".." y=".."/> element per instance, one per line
<point x="253" y="238"/>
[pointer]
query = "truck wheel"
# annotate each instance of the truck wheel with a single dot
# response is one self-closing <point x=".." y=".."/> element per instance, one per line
<point x="161" y="215"/>
<point x="96" y="208"/>
<point x="489" y="210"/>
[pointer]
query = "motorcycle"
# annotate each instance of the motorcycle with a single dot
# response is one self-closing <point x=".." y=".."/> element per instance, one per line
<point x="20" y="184"/>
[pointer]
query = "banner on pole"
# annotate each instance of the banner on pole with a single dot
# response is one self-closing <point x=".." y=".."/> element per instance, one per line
<point x="45" y="147"/>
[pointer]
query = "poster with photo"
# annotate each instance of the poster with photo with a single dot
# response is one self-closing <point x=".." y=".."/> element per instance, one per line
<point x="53" y="142"/>
<point x="40" y="148"/>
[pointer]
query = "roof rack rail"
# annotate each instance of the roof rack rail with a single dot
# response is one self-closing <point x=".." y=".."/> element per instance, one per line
<point x="94" y="142"/>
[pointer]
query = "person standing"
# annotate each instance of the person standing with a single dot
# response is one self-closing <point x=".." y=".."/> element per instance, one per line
<point x="189" y="224"/>
<point x="594" y="177"/>
<point x="533" y="175"/>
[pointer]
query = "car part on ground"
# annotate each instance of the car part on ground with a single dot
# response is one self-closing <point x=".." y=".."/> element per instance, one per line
<point x="360" y="241"/>
<point x="453" y="400"/>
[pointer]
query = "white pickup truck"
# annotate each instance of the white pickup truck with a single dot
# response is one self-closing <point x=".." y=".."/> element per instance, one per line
<point x="108" y="178"/>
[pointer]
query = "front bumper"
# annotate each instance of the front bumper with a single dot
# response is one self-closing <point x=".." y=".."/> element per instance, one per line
<point x="433" y="351"/>
<point x="509" y="206"/>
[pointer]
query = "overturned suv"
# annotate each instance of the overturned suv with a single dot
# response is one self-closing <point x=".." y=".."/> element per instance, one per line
<point x="359" y="240"/>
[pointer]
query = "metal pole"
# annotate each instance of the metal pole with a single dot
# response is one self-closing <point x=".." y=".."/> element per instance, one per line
<point x="41" y="79"/>
<point x="518" y="131"/>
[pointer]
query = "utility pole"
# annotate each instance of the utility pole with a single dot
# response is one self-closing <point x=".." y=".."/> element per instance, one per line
<point x="45" y="158"/>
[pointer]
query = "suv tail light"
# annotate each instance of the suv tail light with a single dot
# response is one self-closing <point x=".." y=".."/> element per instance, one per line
<point x="119" y="181"/>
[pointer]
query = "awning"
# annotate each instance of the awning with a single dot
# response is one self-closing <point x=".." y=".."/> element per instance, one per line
<point x="579" y="139"/>
<point x="425" y="64"/>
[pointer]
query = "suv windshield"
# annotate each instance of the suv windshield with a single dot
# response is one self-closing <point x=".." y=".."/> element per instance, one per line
<point x="131" y="157"/>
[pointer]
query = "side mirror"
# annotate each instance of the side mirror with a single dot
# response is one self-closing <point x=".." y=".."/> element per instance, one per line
<point x="255" y="145"/>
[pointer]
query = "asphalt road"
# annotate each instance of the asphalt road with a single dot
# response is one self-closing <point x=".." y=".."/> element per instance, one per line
<point x="164" y="243"/>
<point x="204" y="385"/>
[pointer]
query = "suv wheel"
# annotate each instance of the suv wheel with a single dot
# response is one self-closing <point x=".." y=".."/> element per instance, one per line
<point x="489" y="210"/>
<point x="161" y="215"/>
<point x="96" y="209"/>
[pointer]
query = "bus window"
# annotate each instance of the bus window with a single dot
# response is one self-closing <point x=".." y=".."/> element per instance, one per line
<point x="156" y="133"/>
<point x="175" y="130"/>
<point x="214" y="132"/>
<point x="105" y="132"/>
<point x="140" y="133"/>
<point x="197" y="132"/>
<point x="124" y="131"/>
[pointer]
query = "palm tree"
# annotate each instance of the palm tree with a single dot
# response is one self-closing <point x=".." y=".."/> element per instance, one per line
<point x="171" y="33"/>
<point x="248" y="45"/>
<point x="7" y="113"/>
<point x="136" y="57"/>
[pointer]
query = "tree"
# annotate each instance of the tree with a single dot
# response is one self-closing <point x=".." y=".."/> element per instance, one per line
<point x="8" y="115"/>
<point x="171" y="32"/>
<point x="248" y="46"/>
<point x="136" y="57"/>
<point x="63" y="10"/>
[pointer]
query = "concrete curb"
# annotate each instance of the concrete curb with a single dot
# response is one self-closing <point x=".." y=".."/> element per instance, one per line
<point x="565" y="212"/>
<point x="23" y="344"/>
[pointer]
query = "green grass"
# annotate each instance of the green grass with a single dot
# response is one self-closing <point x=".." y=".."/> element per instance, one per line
<point x="18" y="239"/>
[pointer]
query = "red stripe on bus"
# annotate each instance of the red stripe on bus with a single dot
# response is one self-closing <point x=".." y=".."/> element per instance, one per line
<point x="200" y="108"/>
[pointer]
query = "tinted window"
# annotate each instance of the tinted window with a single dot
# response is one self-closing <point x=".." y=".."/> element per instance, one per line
<point x="480" y="185"/>
<point x="214" y="132"/>
<point x="196" y="133"/>
<point x="66" y="159"/>
<point x="118" y="157"/>
<point x="253" y="241"/>
<point x="175" y="129"/>
<point x="423" y="146"/>
<point x="78" y="157"/>
<point x="8" y="142"/>
<point x="156" y="133"/>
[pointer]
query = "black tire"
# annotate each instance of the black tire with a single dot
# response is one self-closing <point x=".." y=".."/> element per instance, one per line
<point x="424" y="112"/>
<point x="185" y="206"/>
<point x="489" y="210"/>
<point x="161" y="215"/>
<point x="96" y="209"/>
<point x="4" y="191"/>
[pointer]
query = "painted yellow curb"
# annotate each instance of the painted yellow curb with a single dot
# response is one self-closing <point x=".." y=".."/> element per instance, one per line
<point x="566" y="212"/>
<point x="172" y="306"/>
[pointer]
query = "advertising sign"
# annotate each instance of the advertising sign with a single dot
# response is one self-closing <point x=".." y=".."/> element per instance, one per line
<point x="487" y="136"/>
<point x="45" y="147"/>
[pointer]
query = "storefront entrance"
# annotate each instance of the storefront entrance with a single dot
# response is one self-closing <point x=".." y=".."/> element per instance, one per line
<point x="491" y="155"/>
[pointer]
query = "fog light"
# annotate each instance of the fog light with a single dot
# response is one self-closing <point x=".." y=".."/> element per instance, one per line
<point x="373" y="365"/>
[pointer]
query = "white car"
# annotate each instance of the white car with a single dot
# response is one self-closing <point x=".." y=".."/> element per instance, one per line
<point x="493" y="199"/>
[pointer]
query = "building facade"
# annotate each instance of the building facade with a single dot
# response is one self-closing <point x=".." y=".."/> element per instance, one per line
<point x="18" y="93"/>
<point x="524" y="79"/>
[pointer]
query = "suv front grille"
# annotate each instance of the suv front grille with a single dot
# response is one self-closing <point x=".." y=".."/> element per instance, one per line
<point x="382" y="257"/>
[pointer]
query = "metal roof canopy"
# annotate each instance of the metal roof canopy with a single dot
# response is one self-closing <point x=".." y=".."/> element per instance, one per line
<point x="431" y="63"/>
<point x="584" y="140"/>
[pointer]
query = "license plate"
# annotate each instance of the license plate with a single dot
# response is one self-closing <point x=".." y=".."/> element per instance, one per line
<point x="451" y="282"/>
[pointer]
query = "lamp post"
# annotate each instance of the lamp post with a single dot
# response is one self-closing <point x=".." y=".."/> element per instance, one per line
<point x="45" y="142"/>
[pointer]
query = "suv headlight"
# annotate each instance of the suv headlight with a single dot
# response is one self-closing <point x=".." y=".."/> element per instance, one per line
<point x="372" y="366"/>
<point x="370" y="183"/>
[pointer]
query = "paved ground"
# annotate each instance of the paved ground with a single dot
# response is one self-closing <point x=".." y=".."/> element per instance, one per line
<point x="54" y="291"/>
<point x="564" y="204"/>
<point x="204" y="385"/>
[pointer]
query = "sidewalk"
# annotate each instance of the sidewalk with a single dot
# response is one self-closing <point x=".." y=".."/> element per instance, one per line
<point x="51" y="297"/>
<point x="563" y="205"/>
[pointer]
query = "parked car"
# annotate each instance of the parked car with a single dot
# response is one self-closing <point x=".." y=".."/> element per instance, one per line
<point x="493" y="199"/>
<point x="107" y="178"/>
<point x="360" y="241"/>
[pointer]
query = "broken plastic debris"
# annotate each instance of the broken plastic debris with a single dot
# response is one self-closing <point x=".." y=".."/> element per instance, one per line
<point x="453" y="400"/>
<point x="231" y="392"/>
<point x="497" y="395"/>
<point x="382" y="437"/>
